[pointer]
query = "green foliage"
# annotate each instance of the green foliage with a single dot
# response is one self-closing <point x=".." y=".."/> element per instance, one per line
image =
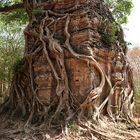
<point x="137" y="86"/>
<point x="109" y="32"/>
<point x="138" y="93"/>
<point x="9" y="2"/>
<point x="121" y="9"/>
<point x="39" y="11"/>
<point x="19" y="16"/>
<point x="11" y="49"/>
<point x="11" y="44"/>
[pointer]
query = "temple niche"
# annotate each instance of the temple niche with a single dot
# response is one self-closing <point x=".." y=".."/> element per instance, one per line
<point x="44" y="80"/>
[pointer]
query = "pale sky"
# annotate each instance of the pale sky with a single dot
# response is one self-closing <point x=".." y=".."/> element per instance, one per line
<point x="132" y="29"/>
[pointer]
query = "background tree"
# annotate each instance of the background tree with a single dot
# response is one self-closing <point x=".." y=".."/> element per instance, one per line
<point x="11" y="44"/>
<point x="11" y="51"/>
<point x="134" y="59"/>
<point x="121" y="9"/>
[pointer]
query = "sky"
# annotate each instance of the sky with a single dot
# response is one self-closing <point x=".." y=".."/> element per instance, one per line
<point x="132" y="28"/>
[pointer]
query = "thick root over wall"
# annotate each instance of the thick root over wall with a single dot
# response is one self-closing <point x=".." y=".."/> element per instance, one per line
<point x="69" y="72"/>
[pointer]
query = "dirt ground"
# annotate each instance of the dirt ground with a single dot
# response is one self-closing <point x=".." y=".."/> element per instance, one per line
<point x="15" y="130"/>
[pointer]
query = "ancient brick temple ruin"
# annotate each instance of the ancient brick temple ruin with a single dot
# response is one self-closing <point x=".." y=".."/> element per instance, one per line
<point x="74" y="63"/>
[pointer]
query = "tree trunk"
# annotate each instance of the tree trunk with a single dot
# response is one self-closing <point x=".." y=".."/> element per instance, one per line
<point x="74" y="64"/>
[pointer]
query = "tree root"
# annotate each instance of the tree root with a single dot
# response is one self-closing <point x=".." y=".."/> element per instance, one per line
<point x="40" y="39"/>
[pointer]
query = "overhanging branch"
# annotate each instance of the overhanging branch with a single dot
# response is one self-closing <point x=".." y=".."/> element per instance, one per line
<point x="11" y="8"/>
